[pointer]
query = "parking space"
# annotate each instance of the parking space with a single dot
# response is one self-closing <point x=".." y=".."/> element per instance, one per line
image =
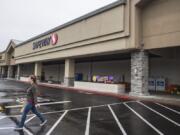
<point x="73" y="113"/>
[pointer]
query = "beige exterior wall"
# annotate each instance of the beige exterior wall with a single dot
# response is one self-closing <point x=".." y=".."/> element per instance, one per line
<point x="152" y="22"/>
<point x="135" y="24"/>
<point x="2" y="56"/>
<point x="3" y="59"/>
<point x="10" y="52"/>
<point x="7" y="55"/>
<point x="161" y="24"/>
<point x="103" y="47"/>
<point x="105" y="32"/>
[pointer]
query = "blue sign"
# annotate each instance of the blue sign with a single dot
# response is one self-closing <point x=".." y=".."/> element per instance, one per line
<point x="41" y="43"/>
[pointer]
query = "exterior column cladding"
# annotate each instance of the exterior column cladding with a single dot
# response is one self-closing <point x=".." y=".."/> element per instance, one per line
<point x="38" y="70"/>
<point x="139" y="73"/>
<point x="10" y="71"/>
<point x="69" y="72"/>
<point x="3" y="72"/>
<point x="18" y="72"/>
<point x="0" y="71"/>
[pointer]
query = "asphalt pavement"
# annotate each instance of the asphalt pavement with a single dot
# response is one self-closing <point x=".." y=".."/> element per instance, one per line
<point x="84" y="113"/>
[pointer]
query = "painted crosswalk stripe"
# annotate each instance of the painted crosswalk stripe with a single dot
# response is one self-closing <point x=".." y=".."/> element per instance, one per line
<point x="169" y="108"/>
<point x="4" y="128"/>
<point x="2" y="117"/>
<point x="27" y="131"/>
<point x="117" y="121"/>
<point x="88" y="122"/>
<point x="41" y="104"/>
<point x="57" y="122"/>
<point x="148" y="123"/>
<point x="177" y="124"/>
<point x="73" y="109"/>
<point x="28" y="120"/>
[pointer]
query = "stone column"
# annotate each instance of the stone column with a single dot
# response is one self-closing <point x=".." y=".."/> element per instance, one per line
<point x="3" y="71"/>
<point x="139" y="73"/>
<point x="18" y="72"/>
<point x="10" y="71"/>
<point x="0" y="71"/>
<point x="38" y="70"/>
<point x="69" y="72"/>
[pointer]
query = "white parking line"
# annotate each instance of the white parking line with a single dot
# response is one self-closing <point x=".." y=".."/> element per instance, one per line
<point x="4" y="128"/>
<point x="41" y="104"/>
<point x="57" y="122"/>
<point x="81" y="108"/>
<point x="175" y="111"/>
<point x="27" y="131"/>
<point x="148" y="123"/>
<point x="177" y="124"/>
<point x="28" y="120"/>
<point x="88" y="121"/>
<point x="117" y="121"/>
<point x="2" y="117"/>
<point x="73" y="109"/>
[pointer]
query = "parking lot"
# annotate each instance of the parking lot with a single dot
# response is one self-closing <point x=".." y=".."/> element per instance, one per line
<point x="82" y="113"/>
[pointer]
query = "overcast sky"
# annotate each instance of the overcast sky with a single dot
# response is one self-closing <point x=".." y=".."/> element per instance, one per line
<point x="23" y="19"/>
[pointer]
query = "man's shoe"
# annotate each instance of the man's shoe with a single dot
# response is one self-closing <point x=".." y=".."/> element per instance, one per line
<point x="18" y="128"/>
<point x="42" y="124"/>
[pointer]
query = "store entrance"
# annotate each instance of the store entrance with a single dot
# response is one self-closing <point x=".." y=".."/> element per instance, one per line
<point x="165" y="71"/>
<point x="110" y="73"/>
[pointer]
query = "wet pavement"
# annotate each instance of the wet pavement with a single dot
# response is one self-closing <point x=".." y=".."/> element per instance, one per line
<point x="78" y="113"/>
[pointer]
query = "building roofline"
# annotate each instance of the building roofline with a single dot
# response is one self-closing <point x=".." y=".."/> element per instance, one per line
<point x="16" y="42"/>
<point x="86" y="16"/>
<point x="12" y="40"/>
<point x="2" y="51"/>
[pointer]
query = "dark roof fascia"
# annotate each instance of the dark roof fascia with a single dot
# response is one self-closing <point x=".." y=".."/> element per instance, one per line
<point x="91" y="14"/>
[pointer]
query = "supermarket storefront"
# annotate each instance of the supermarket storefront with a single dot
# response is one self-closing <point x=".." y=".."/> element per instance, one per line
<point x="62" y="56"/>
<point x="107" y="70"/>
<point x="110" y="73"/>
<point x="127" y="45"/>
<point x="115" y="69"/>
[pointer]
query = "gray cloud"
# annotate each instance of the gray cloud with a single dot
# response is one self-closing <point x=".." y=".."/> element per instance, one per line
<point x="23" y="19"/>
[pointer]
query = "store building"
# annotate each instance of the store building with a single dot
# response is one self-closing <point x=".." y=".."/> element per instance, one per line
<point x="8" y="67"/>
<point x="129" y="44"/>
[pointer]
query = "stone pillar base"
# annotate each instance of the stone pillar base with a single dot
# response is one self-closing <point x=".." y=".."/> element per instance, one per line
<point x="139" y="73"/>
<point x="69" y="81"/>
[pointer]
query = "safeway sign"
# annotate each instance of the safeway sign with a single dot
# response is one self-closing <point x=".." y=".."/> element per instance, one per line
<point x="54" y="39"/>
<point x="51" y="40"/>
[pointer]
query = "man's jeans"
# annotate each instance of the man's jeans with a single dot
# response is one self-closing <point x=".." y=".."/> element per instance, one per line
<point x="27" y="108"/>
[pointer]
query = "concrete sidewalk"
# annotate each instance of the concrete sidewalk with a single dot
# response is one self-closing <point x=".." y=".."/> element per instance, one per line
<point x="154" y="96"/>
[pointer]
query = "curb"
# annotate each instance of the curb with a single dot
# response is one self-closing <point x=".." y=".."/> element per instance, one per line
<point x="119" y="96"/>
